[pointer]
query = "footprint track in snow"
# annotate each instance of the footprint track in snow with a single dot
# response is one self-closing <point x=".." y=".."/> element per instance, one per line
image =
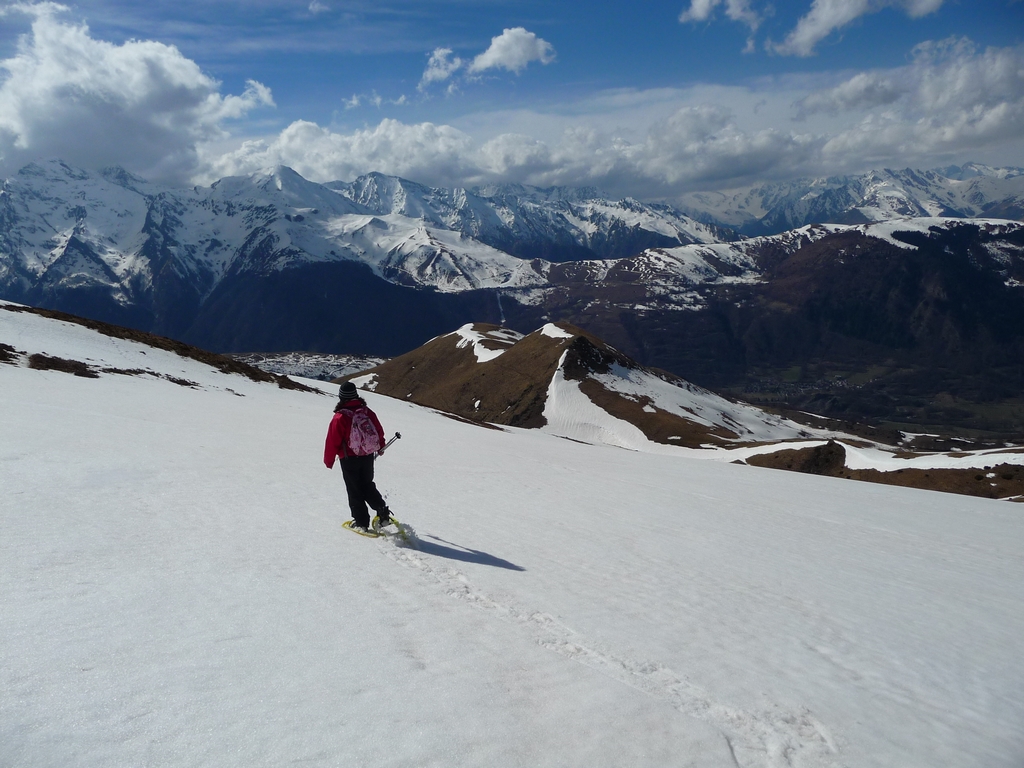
<point x="771" y="738"/>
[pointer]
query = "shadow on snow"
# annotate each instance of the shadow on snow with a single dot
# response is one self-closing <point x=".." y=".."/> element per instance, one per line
<point x="466" y="555"/>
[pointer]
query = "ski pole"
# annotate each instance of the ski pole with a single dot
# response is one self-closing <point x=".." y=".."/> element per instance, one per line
<point x="389" y="442"/>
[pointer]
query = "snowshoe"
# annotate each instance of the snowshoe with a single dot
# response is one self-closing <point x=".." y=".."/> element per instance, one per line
<point x="389" y="526"/>
<point x="351" y="525"/>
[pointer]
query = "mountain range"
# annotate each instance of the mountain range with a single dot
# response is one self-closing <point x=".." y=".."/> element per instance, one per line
<point x="966" y="191"/>
<point x="906" y="320"/>
<point x="195" y="263"/>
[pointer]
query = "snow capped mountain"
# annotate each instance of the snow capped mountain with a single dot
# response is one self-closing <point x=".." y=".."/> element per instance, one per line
<point x="971" y="190"/>
<point x="979" y="170"/>
<point x="63" y="229"/>
<point x="557" y="224"/>
<point x="162" y="253"/>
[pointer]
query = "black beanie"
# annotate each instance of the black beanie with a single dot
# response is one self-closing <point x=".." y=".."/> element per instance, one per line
<point x="347" y="391"/>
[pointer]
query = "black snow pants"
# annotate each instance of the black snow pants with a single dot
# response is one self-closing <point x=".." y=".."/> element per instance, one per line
<point x="358" y="474"/>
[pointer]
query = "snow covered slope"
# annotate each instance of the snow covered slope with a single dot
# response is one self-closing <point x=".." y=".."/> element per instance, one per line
<point x="177" y="590"/>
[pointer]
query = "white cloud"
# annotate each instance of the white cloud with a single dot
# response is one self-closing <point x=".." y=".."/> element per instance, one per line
<point x="316" y="7"/>
<point x="145" y="106"/>
<point x="141" y="104"/>
<point x="513" y="50"/>
<point x="440" y="66"/>
<point x="439" y="153"/>
<point x="693" y="147"/>
<point x="823" y="18"/>
<point x="373" y="98"/>
<point x="864" y="90"/>
<point x="950" y="98"/>
<point x="737" y="10"/>
<point x="826" y="16"/>
<point x="950" y="101"/>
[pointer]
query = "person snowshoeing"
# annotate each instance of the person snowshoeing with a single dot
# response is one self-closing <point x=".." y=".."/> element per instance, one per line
<point x="355" y="436"/>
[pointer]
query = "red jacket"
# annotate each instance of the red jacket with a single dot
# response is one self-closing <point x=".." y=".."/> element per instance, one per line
<point x="337" y="433"/>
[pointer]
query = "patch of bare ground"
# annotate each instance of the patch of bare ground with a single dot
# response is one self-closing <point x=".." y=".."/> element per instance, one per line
<point x="181" y="382"/>
<point x="222" y="363"/>
<point x="9" y="354"/>
<point x="126" y="371"/>
<point x="1000" y="481"/>
<point x="510" y="389"/>
<point x="41" y="362"/>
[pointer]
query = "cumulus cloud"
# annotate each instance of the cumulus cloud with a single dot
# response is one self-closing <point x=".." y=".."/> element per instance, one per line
<point x="737" y="10"/>
<point x="950" y="98"/>
<point x="440" y="66"/>
<point x="514" y="49"/>
<point x="826" y="16"/>
<point x="141" y="104"/>
<point x="692" y="147"/>
<point x="862" y="91"/>
<point x="439" y="153"/>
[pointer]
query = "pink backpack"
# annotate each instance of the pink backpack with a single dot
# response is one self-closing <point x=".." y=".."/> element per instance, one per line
<point x="363" y="439"/>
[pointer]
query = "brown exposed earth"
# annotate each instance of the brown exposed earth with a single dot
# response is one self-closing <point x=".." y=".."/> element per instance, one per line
<point x="42" y="362"/>
<point x="9" y="354"/>
<point x="512" y="388"/>
<point x="509" y="389"/>
<point x="1000" y="481"/>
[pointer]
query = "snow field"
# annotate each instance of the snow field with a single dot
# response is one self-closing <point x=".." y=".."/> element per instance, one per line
<point x="176" y="589"/>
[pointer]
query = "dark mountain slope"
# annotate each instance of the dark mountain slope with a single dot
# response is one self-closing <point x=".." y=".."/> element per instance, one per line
<point x="570" y="381"/>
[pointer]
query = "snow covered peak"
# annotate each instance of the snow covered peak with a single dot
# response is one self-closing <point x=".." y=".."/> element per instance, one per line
<point x="957" y="191"/>
<point x="285" y="188"/>
<point x="118" y="175"/>
<point x="974" y="170"/>
<point x="53" y="169"/>
<point x="557" y="223"/>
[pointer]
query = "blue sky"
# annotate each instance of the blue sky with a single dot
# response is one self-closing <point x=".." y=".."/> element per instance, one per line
<point x="652" y="99"/>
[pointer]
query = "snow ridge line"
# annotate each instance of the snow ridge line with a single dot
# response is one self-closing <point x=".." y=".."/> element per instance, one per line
<point x="773" y="738"/>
